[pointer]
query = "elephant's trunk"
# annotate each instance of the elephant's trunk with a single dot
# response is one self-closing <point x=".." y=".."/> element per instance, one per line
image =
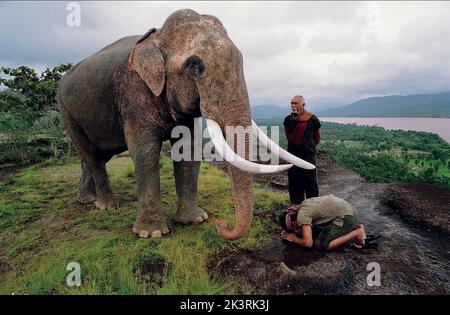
<point x="243" y="202"/>
<point x="224" y="100"/>
<point x="239" y="118"/>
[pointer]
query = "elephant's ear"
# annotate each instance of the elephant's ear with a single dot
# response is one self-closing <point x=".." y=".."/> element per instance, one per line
<point x="147" y="60"/>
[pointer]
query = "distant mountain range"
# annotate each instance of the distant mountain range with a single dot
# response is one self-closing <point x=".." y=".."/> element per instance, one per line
<point x="269" y="111"/>
<point x="419" y="105"/>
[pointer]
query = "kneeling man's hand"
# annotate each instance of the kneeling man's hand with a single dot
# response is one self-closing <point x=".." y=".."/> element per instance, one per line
<point x="288" y="236"/>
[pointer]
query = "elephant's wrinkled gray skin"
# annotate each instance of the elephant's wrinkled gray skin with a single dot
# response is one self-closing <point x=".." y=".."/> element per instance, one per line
<point x="133" y="92"/>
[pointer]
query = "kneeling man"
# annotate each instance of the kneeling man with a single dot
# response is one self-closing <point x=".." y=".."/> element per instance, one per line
<point x="327" y="222"/>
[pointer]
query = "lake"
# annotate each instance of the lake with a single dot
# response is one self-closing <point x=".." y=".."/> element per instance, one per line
<point x="440" y="126"/>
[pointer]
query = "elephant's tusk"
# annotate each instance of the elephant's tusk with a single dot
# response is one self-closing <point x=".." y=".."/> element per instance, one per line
<point x="275" y="148"/>
<point x="231" y="157"/>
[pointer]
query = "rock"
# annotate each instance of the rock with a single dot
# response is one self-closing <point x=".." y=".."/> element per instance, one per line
<point x="412" y="203"/>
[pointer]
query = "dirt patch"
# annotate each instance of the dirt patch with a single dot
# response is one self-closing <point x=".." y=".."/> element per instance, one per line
<point x="152" y="272"/>
<point x="421" y="204"/>
<point x="286" y="269"/>
<point x="7" y="172"/>
<point x="4" y="266"/>
<point x="151" y="266"/>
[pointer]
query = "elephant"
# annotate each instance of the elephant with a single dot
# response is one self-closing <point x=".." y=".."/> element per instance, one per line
<point x="132" y="93"/>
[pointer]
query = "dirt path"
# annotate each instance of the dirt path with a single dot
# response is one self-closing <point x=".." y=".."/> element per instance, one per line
<point x="412" y="259"/>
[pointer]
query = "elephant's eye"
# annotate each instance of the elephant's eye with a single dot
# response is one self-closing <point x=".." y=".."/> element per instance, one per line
<point x="194" y="67"/>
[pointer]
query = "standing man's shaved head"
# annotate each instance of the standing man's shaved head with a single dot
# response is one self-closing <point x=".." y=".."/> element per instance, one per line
<point x="298" y="99"/>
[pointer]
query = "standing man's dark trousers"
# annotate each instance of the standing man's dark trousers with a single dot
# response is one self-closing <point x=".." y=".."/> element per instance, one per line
<point x="302" y="184"/>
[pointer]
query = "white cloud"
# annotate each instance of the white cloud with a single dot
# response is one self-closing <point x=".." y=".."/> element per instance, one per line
<point x="331" y="52"/>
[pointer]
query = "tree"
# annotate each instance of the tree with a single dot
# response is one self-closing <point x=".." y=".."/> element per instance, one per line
<point x="28" y="109"/>
<point x="33" y="94"/>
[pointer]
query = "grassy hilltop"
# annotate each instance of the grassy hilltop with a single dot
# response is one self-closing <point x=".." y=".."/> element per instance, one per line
<point x="42" y="230"/>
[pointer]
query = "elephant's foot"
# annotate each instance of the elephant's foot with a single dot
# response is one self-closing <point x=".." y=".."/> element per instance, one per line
<point x="86" y="198"/>
<point x="107" y="204"/>
<point x="193" y="214"/>
<point x="145" y="230"/>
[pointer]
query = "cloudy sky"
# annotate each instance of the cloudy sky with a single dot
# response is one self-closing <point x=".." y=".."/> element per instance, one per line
<point x="333" y="53"/>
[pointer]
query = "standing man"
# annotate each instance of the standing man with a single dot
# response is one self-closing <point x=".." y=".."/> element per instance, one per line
<point x="302" y="130"/>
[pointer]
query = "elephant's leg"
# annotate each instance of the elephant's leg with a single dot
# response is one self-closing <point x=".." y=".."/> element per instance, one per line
<point x="105" y="195"/>
<point x="186" y="177"/>
<point x="93" y="167"/>
<point x="145" y="150"/>
<point x="86" y="186"/>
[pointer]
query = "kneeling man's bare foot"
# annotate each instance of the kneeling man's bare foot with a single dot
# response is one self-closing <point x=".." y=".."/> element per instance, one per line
<point x="361" y="237"/>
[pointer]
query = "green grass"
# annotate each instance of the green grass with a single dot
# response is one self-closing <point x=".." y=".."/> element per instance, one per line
<point x="42" y="230"/>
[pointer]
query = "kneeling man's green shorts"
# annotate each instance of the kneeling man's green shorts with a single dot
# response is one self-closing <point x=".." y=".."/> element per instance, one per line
<point x="328" y="232"/>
